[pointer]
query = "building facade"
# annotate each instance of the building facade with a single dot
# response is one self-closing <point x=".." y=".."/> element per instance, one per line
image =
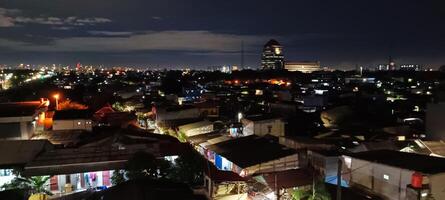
<point x="302" y="66"/>
<point x="263" y="125"/>
<point x="272" y="57"/>
<point x="397" y="175"/>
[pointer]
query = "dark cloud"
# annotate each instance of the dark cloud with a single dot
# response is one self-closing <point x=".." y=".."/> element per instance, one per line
<point x="202" y="32"/>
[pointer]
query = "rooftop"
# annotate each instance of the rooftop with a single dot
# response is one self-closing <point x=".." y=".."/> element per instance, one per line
<point x="251" y="150"/>
<point x="19" y="109"/>
<point x="288" y="178"/>
<point x="72" y="114"/>
<point x="20" y="152"/>
<point x="261" y="117"/>
<point x="272" y="42"/>
<point x="411" y="161"/>
<point x="194" y="125"/>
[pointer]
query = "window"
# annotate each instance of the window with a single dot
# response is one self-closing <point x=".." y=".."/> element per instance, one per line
<point x="269" y="129"/>
<point x="386" y="177"/>
<point x="5" y="172"/>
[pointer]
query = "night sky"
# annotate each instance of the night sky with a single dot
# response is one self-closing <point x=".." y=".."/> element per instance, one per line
<point x="200" y="33"/>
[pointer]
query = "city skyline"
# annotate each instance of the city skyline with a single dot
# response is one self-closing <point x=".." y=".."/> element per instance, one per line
<point x="200" y="33"/>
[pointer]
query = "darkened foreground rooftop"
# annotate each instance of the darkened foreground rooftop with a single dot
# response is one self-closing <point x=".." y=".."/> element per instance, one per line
<point x="416" y="162"/>
<point x="148" y="189"/>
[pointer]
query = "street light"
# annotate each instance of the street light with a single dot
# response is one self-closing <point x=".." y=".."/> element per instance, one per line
<point x="56" y="96"/>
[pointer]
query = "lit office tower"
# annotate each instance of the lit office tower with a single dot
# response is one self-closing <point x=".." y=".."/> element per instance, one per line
<point x="272" y="57"/>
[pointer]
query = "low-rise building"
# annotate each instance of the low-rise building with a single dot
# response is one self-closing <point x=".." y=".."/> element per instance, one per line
<point x="397" y="175"/>
<point x="72" y="120"/>
<point x="19" y="120"/>
<point x="251" y="155"/>
<point x="196" y="128"/>
<point x="302" y="66"/>
<point x="170" y="113"/>
<point x="263" y="125"/>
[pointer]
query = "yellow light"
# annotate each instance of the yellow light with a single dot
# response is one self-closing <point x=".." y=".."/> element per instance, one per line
<point x="277" y="51"/>
<point x="56" y="96"/>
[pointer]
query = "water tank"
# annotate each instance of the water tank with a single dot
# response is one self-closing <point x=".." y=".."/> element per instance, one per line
<point x="416" y="180"/>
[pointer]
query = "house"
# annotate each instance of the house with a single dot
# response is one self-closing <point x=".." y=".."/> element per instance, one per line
<point x="397" y="175"/>
<point x="282" y="184"/>
<point x="72" y="120"/>
<point x="170" y="113"/>
<point x="251" y="154"/>
<point x="19" y="120"/>
<point x="263" y="125"/>
<point x="325" y="165"/>
<point x="224" y="184"/>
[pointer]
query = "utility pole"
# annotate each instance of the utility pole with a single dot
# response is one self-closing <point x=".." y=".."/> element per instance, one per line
<point x="276" y="187"/>
<point x="339" y="178"/>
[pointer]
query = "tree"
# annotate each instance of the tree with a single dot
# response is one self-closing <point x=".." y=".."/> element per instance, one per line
<point x="317" y="192"/>
<point x="35" y="184"/>
<point x="188" y="168"/>
<point x="145" y="165"/>
<point x="118" y="177"/>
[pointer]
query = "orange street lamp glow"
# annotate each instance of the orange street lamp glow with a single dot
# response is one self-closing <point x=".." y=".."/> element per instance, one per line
<point x="56" y="96"/>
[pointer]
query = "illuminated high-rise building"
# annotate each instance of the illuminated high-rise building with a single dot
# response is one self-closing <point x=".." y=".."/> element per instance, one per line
<point x="272" y="57"/>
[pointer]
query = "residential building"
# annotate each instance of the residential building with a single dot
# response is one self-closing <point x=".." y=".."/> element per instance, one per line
<point x="224" y="184"/>
<point x="19" y="120"/>
<point x="72" y="120"/>
<point x="250" y="155"/>
<point x="397" y="175"/>
<point x="263" y="125"/>
<point x="196" y="128"/>
<point x="165" y="114"/>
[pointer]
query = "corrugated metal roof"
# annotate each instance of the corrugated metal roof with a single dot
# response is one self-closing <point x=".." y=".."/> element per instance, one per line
<point x="20" y="152"/>
<point x="190" y="126"/>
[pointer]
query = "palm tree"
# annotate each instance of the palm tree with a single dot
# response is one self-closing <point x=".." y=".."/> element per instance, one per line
<point x="35" y="184"/>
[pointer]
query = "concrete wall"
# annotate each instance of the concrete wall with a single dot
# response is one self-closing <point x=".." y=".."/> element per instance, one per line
<point x="273" y="127"/>
<point x="248" y="127"/>
<point x="437" y="185"/>
<point x="361" y="173"/>
<point x="385" y="180"/>
<point x="162" y="115"/>
<point x="75" y="124"/>
<point x="435" y="128"/>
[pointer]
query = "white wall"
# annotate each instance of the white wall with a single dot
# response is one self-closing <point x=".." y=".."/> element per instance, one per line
<point x="75" y="124"/>
<point x="262" y="128"/>
<point x="386" y="180"/>
<point x="437" y="185"/>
